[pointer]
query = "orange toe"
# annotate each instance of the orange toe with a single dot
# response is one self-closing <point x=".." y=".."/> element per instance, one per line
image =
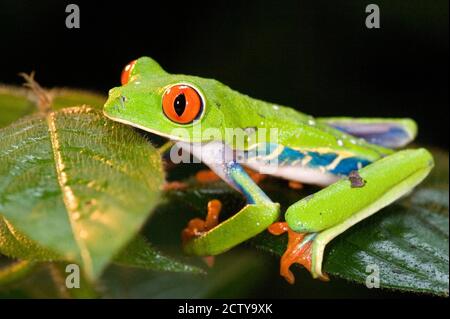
<point x="212" y="218"/>
<point x="295" y="185"/>
<point x="197" y="227"/>
<point x="278" y="228"/>
<point x="206" y="176"/>
<point x="297" y="251"/>
<point x="209" y="261"/>
<point x="169" y="186"/>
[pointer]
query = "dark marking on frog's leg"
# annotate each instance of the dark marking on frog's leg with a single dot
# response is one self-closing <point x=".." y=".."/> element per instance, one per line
<point x="356" y="180"/>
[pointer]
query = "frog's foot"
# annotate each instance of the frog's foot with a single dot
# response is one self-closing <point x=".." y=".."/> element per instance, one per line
<point x="170" y="186"/>
<point x="299" y="250"/>
<point x="209" y="261"/>
<point x="197" y="227"/>
<point x="206" y="176"/>
<point x="295" y="185"/>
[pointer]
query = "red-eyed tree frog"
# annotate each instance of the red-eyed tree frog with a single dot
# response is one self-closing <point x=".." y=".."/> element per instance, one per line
<point x="353" y="158"/>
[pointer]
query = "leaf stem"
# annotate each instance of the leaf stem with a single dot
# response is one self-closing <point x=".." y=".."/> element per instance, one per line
<point x="44" y="98"/>
<point x="165" y="147"/>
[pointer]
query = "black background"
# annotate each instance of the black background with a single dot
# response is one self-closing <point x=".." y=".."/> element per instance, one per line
<point x="317" y="56"/>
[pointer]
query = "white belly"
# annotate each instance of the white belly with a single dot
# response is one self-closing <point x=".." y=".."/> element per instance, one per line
<point x="295" y="173"/>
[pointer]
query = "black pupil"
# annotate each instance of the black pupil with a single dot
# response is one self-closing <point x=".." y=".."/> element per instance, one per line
<point x="180" y="104"/>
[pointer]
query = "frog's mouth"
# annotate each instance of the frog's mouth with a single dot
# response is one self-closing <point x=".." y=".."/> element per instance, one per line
<point x="115" y="104"/>
<point x="146" y="129"/>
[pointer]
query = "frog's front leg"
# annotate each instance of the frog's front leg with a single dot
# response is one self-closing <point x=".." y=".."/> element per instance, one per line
<point x="259" y="213"/>
<point x="315" y="220"/>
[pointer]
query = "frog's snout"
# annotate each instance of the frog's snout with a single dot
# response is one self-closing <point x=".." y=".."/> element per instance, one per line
<point x="115" y="103"/>
<point x="113" y="93"/>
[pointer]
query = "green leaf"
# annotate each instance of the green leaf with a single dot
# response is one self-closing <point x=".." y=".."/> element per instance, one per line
<point x="14" y="244"/>
<point x="141" y="254"/>
<point x="77" y="184"/>
<point x="69" y="97"/>
<point x="408" y="240"/>
<point x="408" y="245"/>
<point x="236" y="274"/>
<point x="16" y="102"/>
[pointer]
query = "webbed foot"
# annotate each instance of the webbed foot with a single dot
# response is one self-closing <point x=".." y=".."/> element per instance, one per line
<point x="197" y="227"/>
<point x="299" y="250"/>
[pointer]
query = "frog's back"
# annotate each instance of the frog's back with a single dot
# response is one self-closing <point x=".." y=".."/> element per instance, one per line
<point x="295" y="130"/>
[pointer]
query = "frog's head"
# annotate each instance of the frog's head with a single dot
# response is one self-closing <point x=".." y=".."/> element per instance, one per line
<point x="179" y="107"/>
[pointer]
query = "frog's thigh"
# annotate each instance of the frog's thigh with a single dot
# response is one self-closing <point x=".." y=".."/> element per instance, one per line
<point x="387" y="132"/>
<point x="336" y="208"/>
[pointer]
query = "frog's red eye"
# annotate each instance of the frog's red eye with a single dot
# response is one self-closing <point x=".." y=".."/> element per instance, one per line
<point x="125" y="77"/>
<point x="182" y="103"/>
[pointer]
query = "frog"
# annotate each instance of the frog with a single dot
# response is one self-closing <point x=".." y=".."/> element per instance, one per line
<point x="361" y="165"/>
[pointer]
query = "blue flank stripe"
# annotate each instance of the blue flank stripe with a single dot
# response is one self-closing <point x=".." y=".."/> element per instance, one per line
<point x="349" y="164"/>
<point x="290" y="155"/>
<point x="321" y="159"/>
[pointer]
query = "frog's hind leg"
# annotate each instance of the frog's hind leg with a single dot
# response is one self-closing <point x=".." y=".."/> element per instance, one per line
<point x="331" y="211"/>
<point x="387" y="132"/>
